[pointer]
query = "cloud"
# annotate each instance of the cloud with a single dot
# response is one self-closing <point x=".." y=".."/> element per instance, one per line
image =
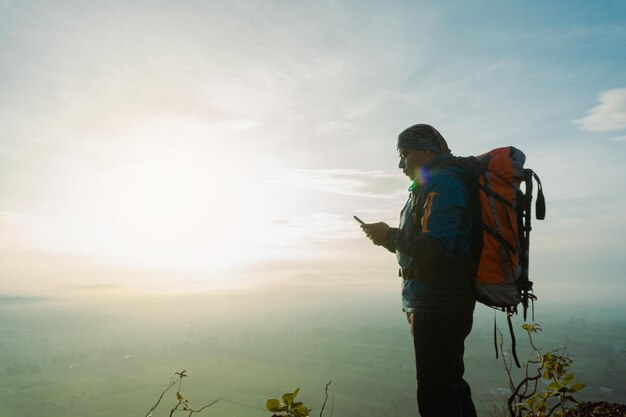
<point x="95" y="287"/>
<point x="609" y="115"/>
<point x="619" y="138"/>
<point x="12" y="228"/>
<point x="350" y="182"/>
<point x="315" y="226"/>
<point x="242" y="125"/>
<point x="11" y="218"/>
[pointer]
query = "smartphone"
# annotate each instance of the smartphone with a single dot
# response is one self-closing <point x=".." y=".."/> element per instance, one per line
<point x="358" y="220"/>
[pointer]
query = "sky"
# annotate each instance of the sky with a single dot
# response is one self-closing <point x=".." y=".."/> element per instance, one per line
<point x="187" y="146"/>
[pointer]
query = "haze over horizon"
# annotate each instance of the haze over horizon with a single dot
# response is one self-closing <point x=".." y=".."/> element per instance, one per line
<point x="158" y="147"/>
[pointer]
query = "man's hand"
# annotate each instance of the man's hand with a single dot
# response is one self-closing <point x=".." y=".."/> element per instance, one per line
<point x="376" y="232"/>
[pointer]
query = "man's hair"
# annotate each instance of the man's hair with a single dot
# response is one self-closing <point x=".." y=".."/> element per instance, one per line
<point x="422" y="137"/>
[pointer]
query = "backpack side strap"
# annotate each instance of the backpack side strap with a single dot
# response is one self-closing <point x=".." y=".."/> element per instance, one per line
<point x="540" y="205"/>
<point x="509" y="313"/>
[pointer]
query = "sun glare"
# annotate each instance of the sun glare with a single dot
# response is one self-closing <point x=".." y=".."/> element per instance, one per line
<point x="164" y="203"/>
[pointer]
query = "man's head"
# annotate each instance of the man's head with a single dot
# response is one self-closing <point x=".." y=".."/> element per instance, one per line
<point x="417" y="146"/>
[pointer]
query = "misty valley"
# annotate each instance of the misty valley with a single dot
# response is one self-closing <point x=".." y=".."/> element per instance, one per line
<point x="60" y="359"/>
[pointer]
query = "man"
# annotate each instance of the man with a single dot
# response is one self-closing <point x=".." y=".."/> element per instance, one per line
<point x="432" y="246"/>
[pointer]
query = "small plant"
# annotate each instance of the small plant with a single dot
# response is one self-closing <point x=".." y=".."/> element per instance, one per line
<point x="526" y="399"/>
<point x="182" y="404"/>
<point x="287" y="408"/>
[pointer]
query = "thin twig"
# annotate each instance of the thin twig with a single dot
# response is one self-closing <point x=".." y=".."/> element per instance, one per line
<point x="532" y="343"/>
<point x="175" y="408"/>
<point x="206" y="406"/>
<point x="325" y="398"/>
<point x="552" y="409"/>
<point x="172" y="383"/>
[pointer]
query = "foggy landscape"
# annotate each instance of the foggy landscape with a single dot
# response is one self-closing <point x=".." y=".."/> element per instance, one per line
<point x="178" y="182"/>
<point x="114" y="357"/>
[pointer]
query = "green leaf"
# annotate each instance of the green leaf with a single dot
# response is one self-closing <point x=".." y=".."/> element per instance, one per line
<point x="568" y="378"/>
<point x="576" y="387"/>
<point x="179" y="397"/>
<point x="273" y="405"/>
<point x="288" y="398"/>
<point x="558" y="413"/>
<point x="302" y="410"/>
<point x="531" y="327"/>
<point x="554" y="386"/>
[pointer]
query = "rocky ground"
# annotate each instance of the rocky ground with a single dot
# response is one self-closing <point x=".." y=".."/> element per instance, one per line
<point x="598" y="409"/>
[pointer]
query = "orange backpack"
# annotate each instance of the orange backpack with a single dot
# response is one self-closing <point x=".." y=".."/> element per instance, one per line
<point x="501" y="228"/>
<point x="505" y="212"/>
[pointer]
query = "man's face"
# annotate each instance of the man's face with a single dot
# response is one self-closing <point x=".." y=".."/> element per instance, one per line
<point x="411" y="161"/>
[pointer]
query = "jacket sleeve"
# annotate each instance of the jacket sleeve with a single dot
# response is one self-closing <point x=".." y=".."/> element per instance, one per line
<point x="391" y="242"/>
<point x="444" y="207"/>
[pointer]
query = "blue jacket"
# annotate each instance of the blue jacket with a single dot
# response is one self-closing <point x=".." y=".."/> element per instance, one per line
<point x="433" y="242"/>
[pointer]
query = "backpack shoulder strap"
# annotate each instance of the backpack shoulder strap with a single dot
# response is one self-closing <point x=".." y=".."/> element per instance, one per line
<point x="471" y="168"/>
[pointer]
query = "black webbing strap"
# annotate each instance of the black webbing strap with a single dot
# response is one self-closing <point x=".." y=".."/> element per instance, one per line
<point x="509" y="313"/>
<point x="495" y="195"/>
<point x="525" y="303"/>
<point x="495" y="338"/>
<point x="499" y="238"/>
<point x="540" y="205"/>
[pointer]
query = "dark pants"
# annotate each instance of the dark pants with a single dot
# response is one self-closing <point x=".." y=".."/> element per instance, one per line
<point x="439" y="346"/>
